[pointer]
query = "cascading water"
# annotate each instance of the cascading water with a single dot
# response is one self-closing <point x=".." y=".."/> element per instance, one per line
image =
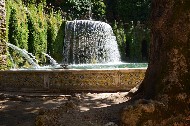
<point x="89" y="42"/>
<point x="29" y="57"/>
<point x="52" y="61"/>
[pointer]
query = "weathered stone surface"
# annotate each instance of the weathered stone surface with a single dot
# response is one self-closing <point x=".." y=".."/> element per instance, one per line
<point x="2" y="35"/>
<point x="61" y="79"/>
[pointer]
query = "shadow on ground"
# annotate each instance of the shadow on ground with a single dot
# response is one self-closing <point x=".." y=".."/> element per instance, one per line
<point x="80" y="109"/>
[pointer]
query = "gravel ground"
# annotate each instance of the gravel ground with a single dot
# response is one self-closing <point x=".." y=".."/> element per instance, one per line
<point x="55" y="109"/>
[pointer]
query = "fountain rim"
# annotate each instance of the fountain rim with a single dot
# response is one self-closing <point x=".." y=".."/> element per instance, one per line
<point x="67" y="70"/>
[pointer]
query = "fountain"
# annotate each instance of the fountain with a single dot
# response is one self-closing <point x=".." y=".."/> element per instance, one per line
<point x="90" y="42"/>
<point x="92" y="45"/>
<point x="92" y="60"/>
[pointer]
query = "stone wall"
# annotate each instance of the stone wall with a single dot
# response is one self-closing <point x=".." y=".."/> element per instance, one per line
<point x="71" y="80"/>
<point x="2" y="35"/>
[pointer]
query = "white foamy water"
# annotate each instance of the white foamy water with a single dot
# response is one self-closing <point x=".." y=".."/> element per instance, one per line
<point x="88" y="41"/>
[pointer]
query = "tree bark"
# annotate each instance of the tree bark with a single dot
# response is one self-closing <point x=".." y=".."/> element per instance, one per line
<point x="165" y="89"/>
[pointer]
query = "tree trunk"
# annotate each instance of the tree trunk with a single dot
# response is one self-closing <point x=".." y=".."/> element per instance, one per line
<point x="3" y="46"/>
<point x="166" y="88"/>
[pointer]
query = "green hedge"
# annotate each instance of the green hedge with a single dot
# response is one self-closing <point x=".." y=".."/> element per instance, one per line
<point x="17" y="26"/>
<point x="133" y="41"/>
<point x="17" y="29"/>
<point x="33" y="28"/>
<point x="37" y="25"/>
<point x="55" y="35"/>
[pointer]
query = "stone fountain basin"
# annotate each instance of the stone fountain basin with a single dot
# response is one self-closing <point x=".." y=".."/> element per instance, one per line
<point x="63" y="80"/>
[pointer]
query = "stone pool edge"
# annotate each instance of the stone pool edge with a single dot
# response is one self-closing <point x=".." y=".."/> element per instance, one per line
<point x="63" y="80"/>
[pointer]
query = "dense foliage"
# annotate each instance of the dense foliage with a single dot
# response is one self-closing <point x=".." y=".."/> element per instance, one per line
<point x="130" y="20"/>
<point x="17" y="29"/>
<point x="37" y="37"/>
<point x="55" y="35"/>
<point x="38" y="25"/>
<point x="80" y="9"/>
<point x="34" y="29"/>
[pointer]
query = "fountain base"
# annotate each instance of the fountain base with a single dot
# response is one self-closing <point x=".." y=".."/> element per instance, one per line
<point x="62" y="80"/>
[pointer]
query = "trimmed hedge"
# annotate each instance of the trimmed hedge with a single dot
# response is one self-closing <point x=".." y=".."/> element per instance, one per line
<point x="37" y="25"/>
<point x="34" y="28"/>
<point x="55" y="35"/>
<point x="133" y="41"/>
<point x="17" y="29"/>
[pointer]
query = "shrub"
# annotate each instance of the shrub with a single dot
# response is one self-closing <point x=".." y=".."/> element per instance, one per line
<point x="55" y="35"/>
<point x="133" y="41"/>
<point x="37" y="40"/>
<point x="17" y="28"/>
